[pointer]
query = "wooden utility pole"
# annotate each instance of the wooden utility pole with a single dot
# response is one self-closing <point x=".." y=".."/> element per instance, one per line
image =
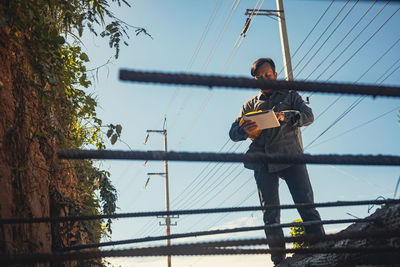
<point x="280" y="14"/>
<point x="287" y="62"/>
<point x="167" y="218"/>
<point x="165" y="174"/>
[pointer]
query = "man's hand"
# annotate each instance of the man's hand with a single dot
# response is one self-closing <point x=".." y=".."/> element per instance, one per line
<point x="249" y="126"/>
<point x="280" y="116"/>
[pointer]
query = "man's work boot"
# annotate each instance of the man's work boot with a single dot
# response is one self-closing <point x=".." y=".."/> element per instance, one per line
<point x="277" y="258"/>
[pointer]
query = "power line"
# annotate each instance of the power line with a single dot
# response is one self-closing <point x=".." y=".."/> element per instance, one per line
<point x="199" y="45"/>
<point x="358" y="50"/>
<point x="198" y="176"/>
<point x="195" y="54"/>
<point x="357" y="101"/>
<point x="233" y="178"/>
<point x="211" y="186"/>
<point x="227" y="198"/>
<point x="219" y="37"/>
<point x="232" y="54"/>
<point x="308" y="35"/>
<point x="205" y="65"/>
<point x="240" y="39"/>
<point x="190" y="198"/>
<point x="326" y="40"/>
<point x="211" y="92"/>
<point x="198" y="189"/>
<point x="219" y="204"/>
<point x="206" y="100"/>
<point x="210" y="21"/>
<point x="341" y="41"/>
<point x="319" y="38"/>
<point x="352" y="41"/>
<point x="354" y="104"/>
<point x="360" y="179"/>
<point x="175" y="202"/>
<point x="394" y="70"/>
<point x="356" y="127"/>
<point x="189" y="194"/>
<point x="201" y="183"/>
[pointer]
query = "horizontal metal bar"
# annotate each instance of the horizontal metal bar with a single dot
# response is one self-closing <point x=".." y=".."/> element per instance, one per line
<point x="212" y="248"/>
<point x="247" y="83"/>
<point x="213" y="232"/>
<point x="195" y="211"/>
<point x="261" y="158"/>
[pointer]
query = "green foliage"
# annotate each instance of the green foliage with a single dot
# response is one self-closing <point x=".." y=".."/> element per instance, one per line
<point x="298" y="231"/>
<point x="108" y="194"/>
<point x="92" y="180"/>
<point x="51" y="17"/>
<point x="114" y="132"/>
<point x="41" y="29"/>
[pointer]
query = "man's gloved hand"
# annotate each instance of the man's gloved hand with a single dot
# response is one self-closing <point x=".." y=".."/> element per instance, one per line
<point x="289" y="116"/>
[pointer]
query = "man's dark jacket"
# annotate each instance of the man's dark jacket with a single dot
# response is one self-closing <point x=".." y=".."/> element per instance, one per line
<point x="285" y="139"/>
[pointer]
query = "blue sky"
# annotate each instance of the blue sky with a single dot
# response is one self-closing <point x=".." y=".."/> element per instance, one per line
<point x="199" y="119"/>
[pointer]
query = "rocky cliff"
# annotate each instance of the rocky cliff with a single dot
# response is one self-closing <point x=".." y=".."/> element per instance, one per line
<point x="389" y="219"/>
<point x="31" y="177"/>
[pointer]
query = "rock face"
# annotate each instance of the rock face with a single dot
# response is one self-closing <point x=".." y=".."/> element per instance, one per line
<point x="29" y="168"/>
<point x="389" y="219"/>
<point x="24" y="182"/>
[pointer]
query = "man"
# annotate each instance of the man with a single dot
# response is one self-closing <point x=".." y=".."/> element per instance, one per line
<point x="292" y="113"/>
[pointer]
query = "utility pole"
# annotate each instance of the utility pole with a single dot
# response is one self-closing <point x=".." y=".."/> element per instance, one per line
<point x="287" y="62"/>
<point x="165" y="174"/>
<point x="280" y="14"/>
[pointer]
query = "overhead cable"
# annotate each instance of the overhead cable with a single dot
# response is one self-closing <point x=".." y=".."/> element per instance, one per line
<point x="356" y="127"/>
<point x="201" y="194"/>
<point x="194" y="56"/>
<point x="191" y="184"/>
<point x="352" y="41"/>
<point x="229" y="197"/>
<point x="203" y="181"/>
<point x="358" y="50"/>
<point x="308" y="35"/>
<point x="208" y="59"/>
<point x="341" y="41"/>
<point x="319" y="38"/>
<point x="327" y="38"/>
<point x="187" y="193"/>
<point x="205" y="65"/>
<point x="358" y="100"/>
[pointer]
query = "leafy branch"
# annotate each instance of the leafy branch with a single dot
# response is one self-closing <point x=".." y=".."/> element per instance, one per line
<point x="40" y="28"/>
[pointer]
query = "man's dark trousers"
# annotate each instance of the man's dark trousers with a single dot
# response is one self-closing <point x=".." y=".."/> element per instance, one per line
<point x="296" y="177"/>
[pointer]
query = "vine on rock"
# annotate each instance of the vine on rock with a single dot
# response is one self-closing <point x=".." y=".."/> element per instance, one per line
<point x="47" y="33"/>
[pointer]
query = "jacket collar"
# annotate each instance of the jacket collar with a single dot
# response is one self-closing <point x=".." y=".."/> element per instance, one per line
<point x="261" y="96"/>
